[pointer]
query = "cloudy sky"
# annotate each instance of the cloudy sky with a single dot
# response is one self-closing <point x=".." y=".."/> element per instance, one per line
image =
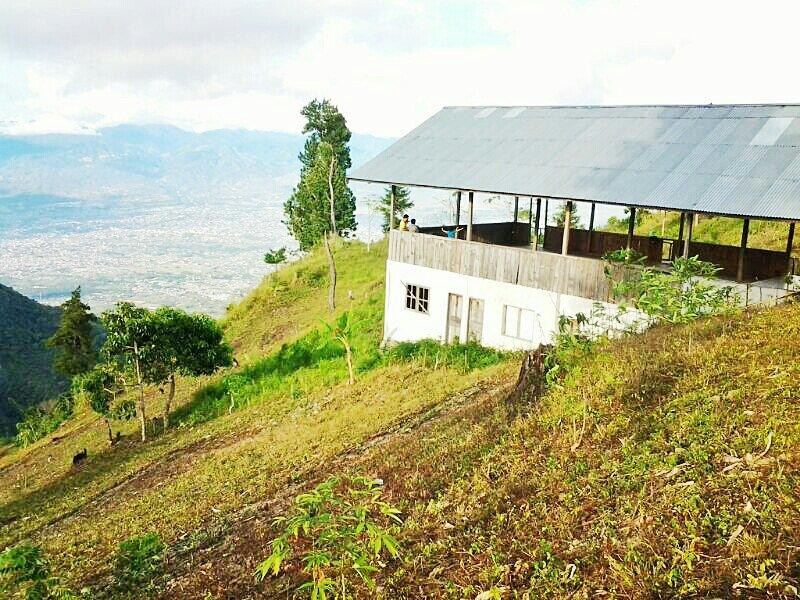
<point x="81" y="64"/>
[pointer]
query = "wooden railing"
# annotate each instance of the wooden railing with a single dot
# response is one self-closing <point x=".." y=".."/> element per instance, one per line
<point x="507" y="233"/>
<point x="573" y="275"/>
<point x="600" y="242"/>
<point x="758" y="264"/>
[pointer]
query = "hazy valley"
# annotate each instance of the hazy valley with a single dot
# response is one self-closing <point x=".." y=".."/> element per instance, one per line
<point x="153" y="213"/>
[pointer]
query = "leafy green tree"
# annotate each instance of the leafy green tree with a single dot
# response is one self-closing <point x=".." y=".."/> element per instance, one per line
<point x="325" y="124"/>
<point x="615" y="223"/>
<point x="322" y="206"/>
<point x="189" y="345"/>
<point x="402" y="203"/>
<point x="73" y="338"/>
<point x="322" y="202"/>
<point x="133" y="347"/>
<point x="152" y="348"/>
<point x="40" y="421"/>
<point x="322" y="188"/>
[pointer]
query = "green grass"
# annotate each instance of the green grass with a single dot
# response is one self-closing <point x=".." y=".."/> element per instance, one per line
<point x="639" y="497"/>
<point x="293" y="299"/>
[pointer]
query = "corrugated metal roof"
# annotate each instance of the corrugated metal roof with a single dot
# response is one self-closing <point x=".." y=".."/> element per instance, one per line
<point x="741" y="160"/>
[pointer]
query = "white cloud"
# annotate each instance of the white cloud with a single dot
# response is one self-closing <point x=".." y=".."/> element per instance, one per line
<point x="387" y="65"/>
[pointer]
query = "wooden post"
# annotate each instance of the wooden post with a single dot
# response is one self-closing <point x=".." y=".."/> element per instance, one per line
<point x="458" y="208"/>
<point x="631" y="224"/>
<point x="688" y="235"/>
<point x="743" y="250"/>
<point x="544" y="228"/>
<point x="591" y="229"/>
<point x="536" y="226"/>
<point x="567" y="224"/>
<point x="679" y="250"/>
<point x="471" y="210"/>
<point x="516" y="208"/>
<point x="391" y="208"/>
<point x="789" y="244"/>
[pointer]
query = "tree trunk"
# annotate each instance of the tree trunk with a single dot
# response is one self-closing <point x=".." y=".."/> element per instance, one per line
<point x="331" y="199"/>
<point x="110" y="436"/>
<point x="142" y="417"/>
<point x="349" y="357"/>
<point x="531" y="380"/>
<point x="170" y="398"/>
<point x="331" y="274"/>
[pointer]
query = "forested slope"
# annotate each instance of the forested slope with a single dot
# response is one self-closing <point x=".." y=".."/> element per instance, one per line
<point x="26" y="366"/>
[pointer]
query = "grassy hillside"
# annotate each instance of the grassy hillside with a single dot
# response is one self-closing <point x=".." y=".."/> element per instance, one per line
<point x="667" y="465"/>
<point x="243" y="436"/>
<point x="769" y="235"/>
<point x="661" y="465"/>
<point x="26" y="366"/>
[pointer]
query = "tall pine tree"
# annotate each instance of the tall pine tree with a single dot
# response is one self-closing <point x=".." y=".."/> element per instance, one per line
<point x="73" y="338"/>
<point x="327" y="134"/>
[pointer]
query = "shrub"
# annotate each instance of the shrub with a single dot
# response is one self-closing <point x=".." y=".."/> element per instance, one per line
<point x="275" y="257"/>
<point x="139" y="561"/>
<point x="624" y="256"/>
<point x="336" y="536"/>
<point x="25" y="573"/>
<point x="39" y="422"/>
<point x="678" y="296"/>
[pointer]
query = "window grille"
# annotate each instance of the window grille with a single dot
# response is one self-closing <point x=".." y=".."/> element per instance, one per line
<point x="417" y="298"/>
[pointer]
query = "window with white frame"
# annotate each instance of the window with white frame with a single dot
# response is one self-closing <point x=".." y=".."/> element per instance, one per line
<point x="519" y="323"/>
<point x="417" y="298"/>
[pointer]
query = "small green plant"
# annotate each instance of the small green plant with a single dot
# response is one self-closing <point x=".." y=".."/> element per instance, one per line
<point x="342" y="331"/>
<point x="25" y="573"/>
<point x="276" y="256"/>
<point x="569" y="342"/>
<point x="139" y="561"/>
<point x="624" y="256"/>
<point x="336" y="535"/>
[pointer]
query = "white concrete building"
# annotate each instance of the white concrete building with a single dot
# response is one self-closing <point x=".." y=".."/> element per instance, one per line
<point x="494" y="284"/>
<point x="449" y="305"/>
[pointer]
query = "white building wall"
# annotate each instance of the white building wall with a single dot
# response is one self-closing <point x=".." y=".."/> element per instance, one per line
<point x="402" y="324"/>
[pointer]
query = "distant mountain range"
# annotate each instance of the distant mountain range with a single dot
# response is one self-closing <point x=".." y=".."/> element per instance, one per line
<point x="155" y="160"/>
<point x="26" y="366"/>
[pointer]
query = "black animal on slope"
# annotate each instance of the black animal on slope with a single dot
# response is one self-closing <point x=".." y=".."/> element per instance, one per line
<point x="79" y="457"/>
